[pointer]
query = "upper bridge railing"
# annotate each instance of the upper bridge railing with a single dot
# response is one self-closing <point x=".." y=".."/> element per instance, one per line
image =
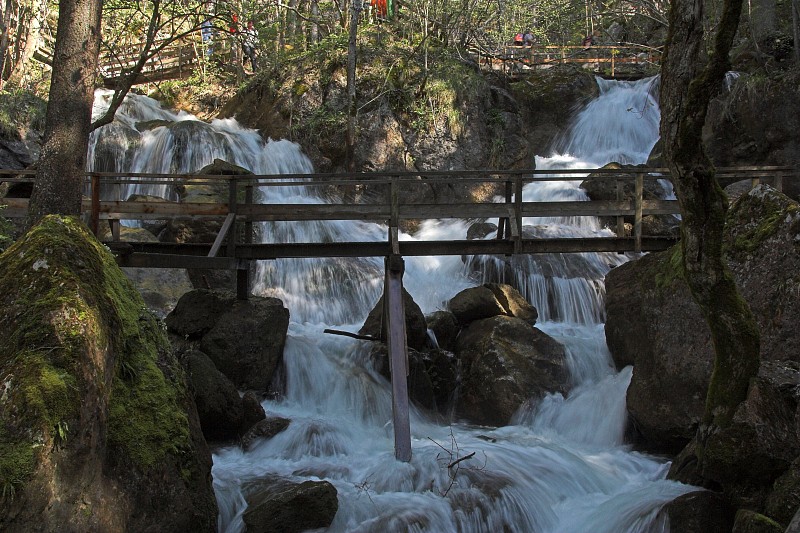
<point x="599" y="58"/>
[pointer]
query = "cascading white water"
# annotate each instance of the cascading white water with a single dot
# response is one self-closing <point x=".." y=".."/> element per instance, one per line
<point x="561" y="467"/>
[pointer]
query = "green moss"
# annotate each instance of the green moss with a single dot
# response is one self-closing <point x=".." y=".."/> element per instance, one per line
<point x="17" y="462"/>
<point x="670" y="268"/>
<point x="72" y="323"/>
<point x="751" y="236"/>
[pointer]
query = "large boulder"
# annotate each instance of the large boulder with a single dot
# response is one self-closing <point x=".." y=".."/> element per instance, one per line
<point x="278" y="504"/>
<point x="416" y="327"/>
<point x="218" y="403"/>
<point x="244" y="338"/>
<point x="98" y="431"/>
<point x="654" y="324"/>
<point x="491" y="299"/>
<point x="763" y="438"/>
<point x="506" y="362"/>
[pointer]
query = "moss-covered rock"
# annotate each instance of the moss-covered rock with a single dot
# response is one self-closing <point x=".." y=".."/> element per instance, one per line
<point x="94" y="403"/>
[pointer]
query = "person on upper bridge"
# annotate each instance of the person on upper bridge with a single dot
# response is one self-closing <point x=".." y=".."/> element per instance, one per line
<point x="527" y="38"/>
<point x="518" y="39"/>
<point x="249" y="44"/>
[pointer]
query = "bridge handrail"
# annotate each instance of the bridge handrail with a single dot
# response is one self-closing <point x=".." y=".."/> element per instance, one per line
<point x="387" y="206"/>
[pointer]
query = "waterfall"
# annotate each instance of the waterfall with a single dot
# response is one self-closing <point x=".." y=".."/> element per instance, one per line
<point x="562" y="465"/>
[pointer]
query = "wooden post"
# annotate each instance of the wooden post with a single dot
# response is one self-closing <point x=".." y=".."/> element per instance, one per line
<point x="95" y="220"/>
<point x="637" y="217"/>
<point x="620" y="218"/>
<point x="232" y="211"/>
<point x="518" y="211"/>
<point x="395" y="320"/>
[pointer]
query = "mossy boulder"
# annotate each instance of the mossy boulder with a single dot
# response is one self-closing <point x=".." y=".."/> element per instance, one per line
<point x="654" y="324"/>
<point x="97" y="429"/>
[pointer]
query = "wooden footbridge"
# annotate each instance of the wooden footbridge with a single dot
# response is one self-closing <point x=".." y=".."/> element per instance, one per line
<point x="606" y="59"/>
<point x="390" y="199"/>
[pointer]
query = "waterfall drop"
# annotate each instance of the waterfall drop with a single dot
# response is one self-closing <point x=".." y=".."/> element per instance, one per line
<point x="561" y="466"/>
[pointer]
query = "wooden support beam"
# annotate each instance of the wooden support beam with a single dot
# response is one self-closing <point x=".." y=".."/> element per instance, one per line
<point x="637" y="217"/>
<point x="223" y="231"/>
<point x="398" y="355"/>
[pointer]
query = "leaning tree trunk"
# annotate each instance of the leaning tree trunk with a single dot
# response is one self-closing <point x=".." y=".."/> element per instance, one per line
<point x="685" y="94"/>
<point x="62" y="164"/>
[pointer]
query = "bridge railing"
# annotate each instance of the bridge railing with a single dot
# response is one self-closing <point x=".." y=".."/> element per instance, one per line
<point x="387" y="198"/>
<point x="599" y="57"/>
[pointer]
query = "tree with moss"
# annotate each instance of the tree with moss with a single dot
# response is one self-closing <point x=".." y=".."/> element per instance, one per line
<point x="689" y="79"/>
<point x="62" y="165"/>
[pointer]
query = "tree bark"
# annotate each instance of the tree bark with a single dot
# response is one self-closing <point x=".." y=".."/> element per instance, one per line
<point x="355" y="10"/>
<point x="62" y="165"/>
<point x="686" y="90"/>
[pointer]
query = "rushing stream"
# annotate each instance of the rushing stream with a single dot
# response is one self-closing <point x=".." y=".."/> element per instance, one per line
<point x="563" y="465"/>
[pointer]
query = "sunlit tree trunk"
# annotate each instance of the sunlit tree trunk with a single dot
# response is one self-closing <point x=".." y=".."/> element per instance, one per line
<point x="355" y="11"/>
<point x="62" y="164"/>
<point x="686" y="89"/>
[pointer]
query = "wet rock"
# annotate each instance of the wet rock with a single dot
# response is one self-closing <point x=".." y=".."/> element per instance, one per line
<point x="479" y="230"/>
<point x="505" y="362"/>
<point x="244" y="338"/>
<point x="252" y="412"/>
<point x="277" y="504"/>
<point x="444" y="326"/>
<point x="416" y="328"/>
<point x="491" y="299"/>
<point x="699" y="512"/>
<point x="218" y="403"/>
<point x="264" y="429"/>
<point x="784" y="499"/>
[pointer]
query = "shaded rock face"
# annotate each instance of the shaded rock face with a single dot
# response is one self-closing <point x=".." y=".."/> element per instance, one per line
<point x="506" y="362"/>
<point x="416" y="327"/>
<point x="752" y="460"/>
<point x="95" y="404"/>
<point x="600" y="186"/>
<point x="757" y="122"/>
<point x="277" y="504"/>
<point x="654" y="324"/>
<point x="244" y="339"/>
<point x="223" y="414"/>
<point x="699" y="512"/>
<point x="763" y="440"/>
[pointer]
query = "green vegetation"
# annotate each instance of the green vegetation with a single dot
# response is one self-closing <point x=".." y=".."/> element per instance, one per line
<point x="72" y="325"/>
<point x="20" y="111"/>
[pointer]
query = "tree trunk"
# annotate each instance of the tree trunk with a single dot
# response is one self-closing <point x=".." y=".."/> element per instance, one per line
<point x="685" y="94"/>
<point x="62" y="164"/>
<point x="355" y="10"/>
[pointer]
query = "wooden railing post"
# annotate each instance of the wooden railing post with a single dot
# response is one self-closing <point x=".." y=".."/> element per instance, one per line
<point x="95" y="217"/>
<point x="394" y="216"/>
<point x="517" y="212"/>
<point x="620" y="218"/>
<point x="395" y="320"/>
<point x="637" y="217"/>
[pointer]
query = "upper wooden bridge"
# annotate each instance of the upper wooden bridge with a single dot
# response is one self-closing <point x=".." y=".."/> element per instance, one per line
<point x="387" y="204"/>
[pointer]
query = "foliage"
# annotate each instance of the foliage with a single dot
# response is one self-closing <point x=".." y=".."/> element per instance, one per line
<point x="20" y="111"/>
